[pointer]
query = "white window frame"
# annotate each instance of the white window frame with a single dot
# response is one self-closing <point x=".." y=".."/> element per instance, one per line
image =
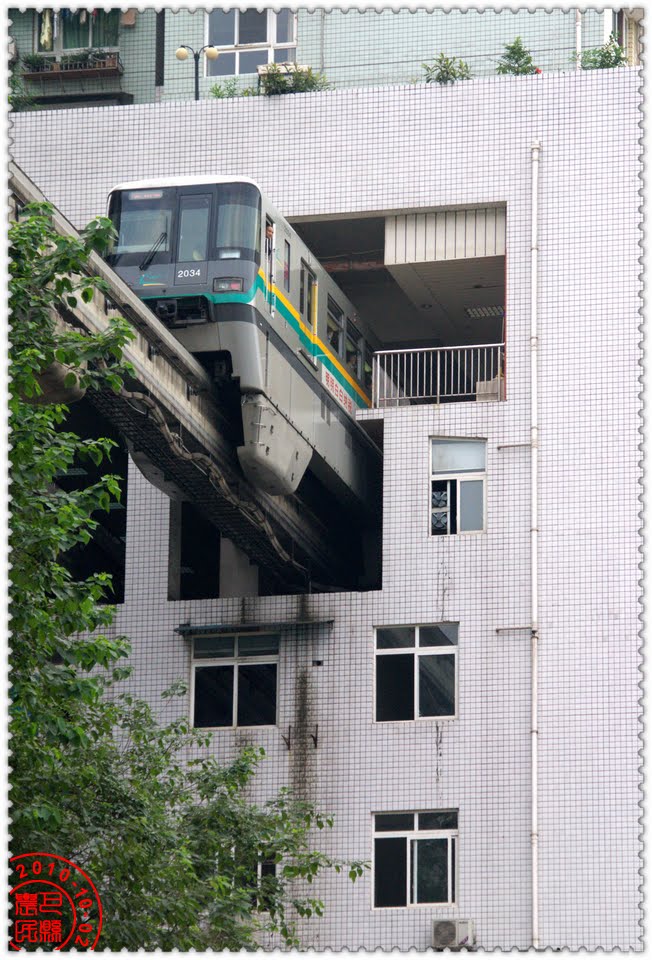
<point x="451" y="834"/>
<point x="458" y="477"/>
<point x="58" y="50"/>
<point x="417" y="651"/>
<point x="235" y="661"/>
<point x="270" y="44"/>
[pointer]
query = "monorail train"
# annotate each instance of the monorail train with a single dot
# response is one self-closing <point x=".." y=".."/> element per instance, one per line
<point x="218" y="264"/>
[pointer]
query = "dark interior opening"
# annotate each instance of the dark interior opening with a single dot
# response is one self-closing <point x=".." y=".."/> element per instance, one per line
<point x="105" y="553"/>
<point x="194" y="559"/>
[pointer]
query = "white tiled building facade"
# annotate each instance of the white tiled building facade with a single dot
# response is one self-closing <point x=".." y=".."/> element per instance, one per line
<point x="404" y="149"/>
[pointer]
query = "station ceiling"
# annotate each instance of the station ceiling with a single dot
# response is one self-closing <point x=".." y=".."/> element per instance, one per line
<point x="418" y="304"/>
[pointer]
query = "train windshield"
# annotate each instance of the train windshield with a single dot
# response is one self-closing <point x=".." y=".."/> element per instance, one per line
<point x="238" y="222"/>
<point x="158" y="225"/>
<point x="143" y="220"/>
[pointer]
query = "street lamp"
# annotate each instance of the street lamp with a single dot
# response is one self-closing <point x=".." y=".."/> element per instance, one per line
<point x="182" y="54"/>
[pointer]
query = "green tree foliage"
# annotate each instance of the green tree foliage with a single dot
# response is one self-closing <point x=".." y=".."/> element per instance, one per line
<point x="277" y="81"/>
<point x="604" y="58"/>
<point x="272" y="83"/>
<point x="231" y="88"/>
<point x="517" y="60"/>
<point x="171" y="843"/>
<point x="446" y="70"/>
<point x="19" y="97"/>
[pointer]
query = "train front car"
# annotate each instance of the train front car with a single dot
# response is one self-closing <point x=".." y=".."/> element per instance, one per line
<point x="192" y="251"/>
<point x="233" y="281"/>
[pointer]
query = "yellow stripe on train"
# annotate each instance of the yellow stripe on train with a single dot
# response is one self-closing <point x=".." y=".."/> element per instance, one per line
<point x="315" y="339"/>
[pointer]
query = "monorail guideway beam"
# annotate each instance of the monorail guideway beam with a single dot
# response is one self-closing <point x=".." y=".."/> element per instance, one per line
<point x="291" y="547"/>
<point x="177" y="432"/>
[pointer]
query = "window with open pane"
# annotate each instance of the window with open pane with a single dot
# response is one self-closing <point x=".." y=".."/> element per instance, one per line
<point x="457" y="491"/>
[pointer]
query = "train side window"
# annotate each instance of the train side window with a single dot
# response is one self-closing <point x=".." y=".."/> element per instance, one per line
<point x="269" y="250"/>
<point x="367" y="369"/>
<point x="353" y="350"/>
<point x="308" y="297"/>
<point x="335" y="326"/>
<point x="194" y="217"/>
<point x="286" y="266"/>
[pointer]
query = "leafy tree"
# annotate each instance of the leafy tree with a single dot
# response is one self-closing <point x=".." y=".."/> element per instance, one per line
<point x="446" y="70"/>
<point x="172" y="844"/>
<point x="19" y="97"/>
<point x="517" y="60"/>
<point x="604" y="58"/>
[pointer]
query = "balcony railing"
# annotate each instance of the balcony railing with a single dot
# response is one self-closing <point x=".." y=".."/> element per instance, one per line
<point x="439" y="375"/>
<point x="85" y="68"/>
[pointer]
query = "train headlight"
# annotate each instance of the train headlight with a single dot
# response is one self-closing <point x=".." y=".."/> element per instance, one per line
<point x="228" y="284"/>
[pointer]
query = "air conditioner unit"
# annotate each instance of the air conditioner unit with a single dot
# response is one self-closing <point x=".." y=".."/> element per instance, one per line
<point x="452" y="934"/>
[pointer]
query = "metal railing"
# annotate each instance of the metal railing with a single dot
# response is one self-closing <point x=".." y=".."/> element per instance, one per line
<point x="438" y="375"/>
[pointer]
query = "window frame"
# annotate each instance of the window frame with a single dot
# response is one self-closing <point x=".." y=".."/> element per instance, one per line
<point x="58" y="50"/>
<point x="451" y="834"/>
<point x="236" y="660"/>
<point x="308" y="309"/>
<point x="184" y="203"/>
<point x="458" y="477"/>
<point x="335" y="312"/>
<point x="287" y="265"/>
<point x="352" y="333"/>
<point x="270" y="44"/>
<point x="417" y="651"/>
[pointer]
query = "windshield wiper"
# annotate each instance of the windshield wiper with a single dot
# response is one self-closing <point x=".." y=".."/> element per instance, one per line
<point x="150" y="256"/>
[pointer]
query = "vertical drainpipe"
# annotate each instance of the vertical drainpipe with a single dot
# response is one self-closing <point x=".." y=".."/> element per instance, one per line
<point x="578" y="39"/>
<point x="534" y="540"/>
<point x="159" y="56"/>
<point x="322" y="40"/>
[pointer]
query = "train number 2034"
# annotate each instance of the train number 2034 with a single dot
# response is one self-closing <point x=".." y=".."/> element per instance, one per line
<point x="182" y="274"/>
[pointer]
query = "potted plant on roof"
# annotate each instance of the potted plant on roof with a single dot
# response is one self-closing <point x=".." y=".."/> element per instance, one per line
<point x="446" y="70"/>
<point x="517" y="60"/>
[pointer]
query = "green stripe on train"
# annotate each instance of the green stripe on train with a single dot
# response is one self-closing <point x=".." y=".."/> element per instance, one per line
<point x="306" y="342"/>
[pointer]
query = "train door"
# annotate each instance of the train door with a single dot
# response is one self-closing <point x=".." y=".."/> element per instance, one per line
<point x="270" y="244"/>
<point x="192" y="240"/>
<point x="308" y="298"/>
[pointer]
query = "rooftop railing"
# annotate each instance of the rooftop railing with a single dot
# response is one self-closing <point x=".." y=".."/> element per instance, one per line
<point x="439" y="375"/>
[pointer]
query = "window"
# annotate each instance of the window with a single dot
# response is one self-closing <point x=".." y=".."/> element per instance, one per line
<point x="367" y="370"/>
<point x="353" y="350"/>
<point x="235" y="680"/>
<point x="252" y="37"/>
<point x="308" y="296"/>
<point x="414" y="858"/>
<point x="194" y="216"/>
<point x="286" y="265"/>
<point x="143" y="219"/>
<point x="238" y="222"/>
<point x="267" y="888"/>
<point x="59" y="31"/>
<point x="334" y="326"/>
<point x="457" y="486"/>
<point x="416" y="672"/>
